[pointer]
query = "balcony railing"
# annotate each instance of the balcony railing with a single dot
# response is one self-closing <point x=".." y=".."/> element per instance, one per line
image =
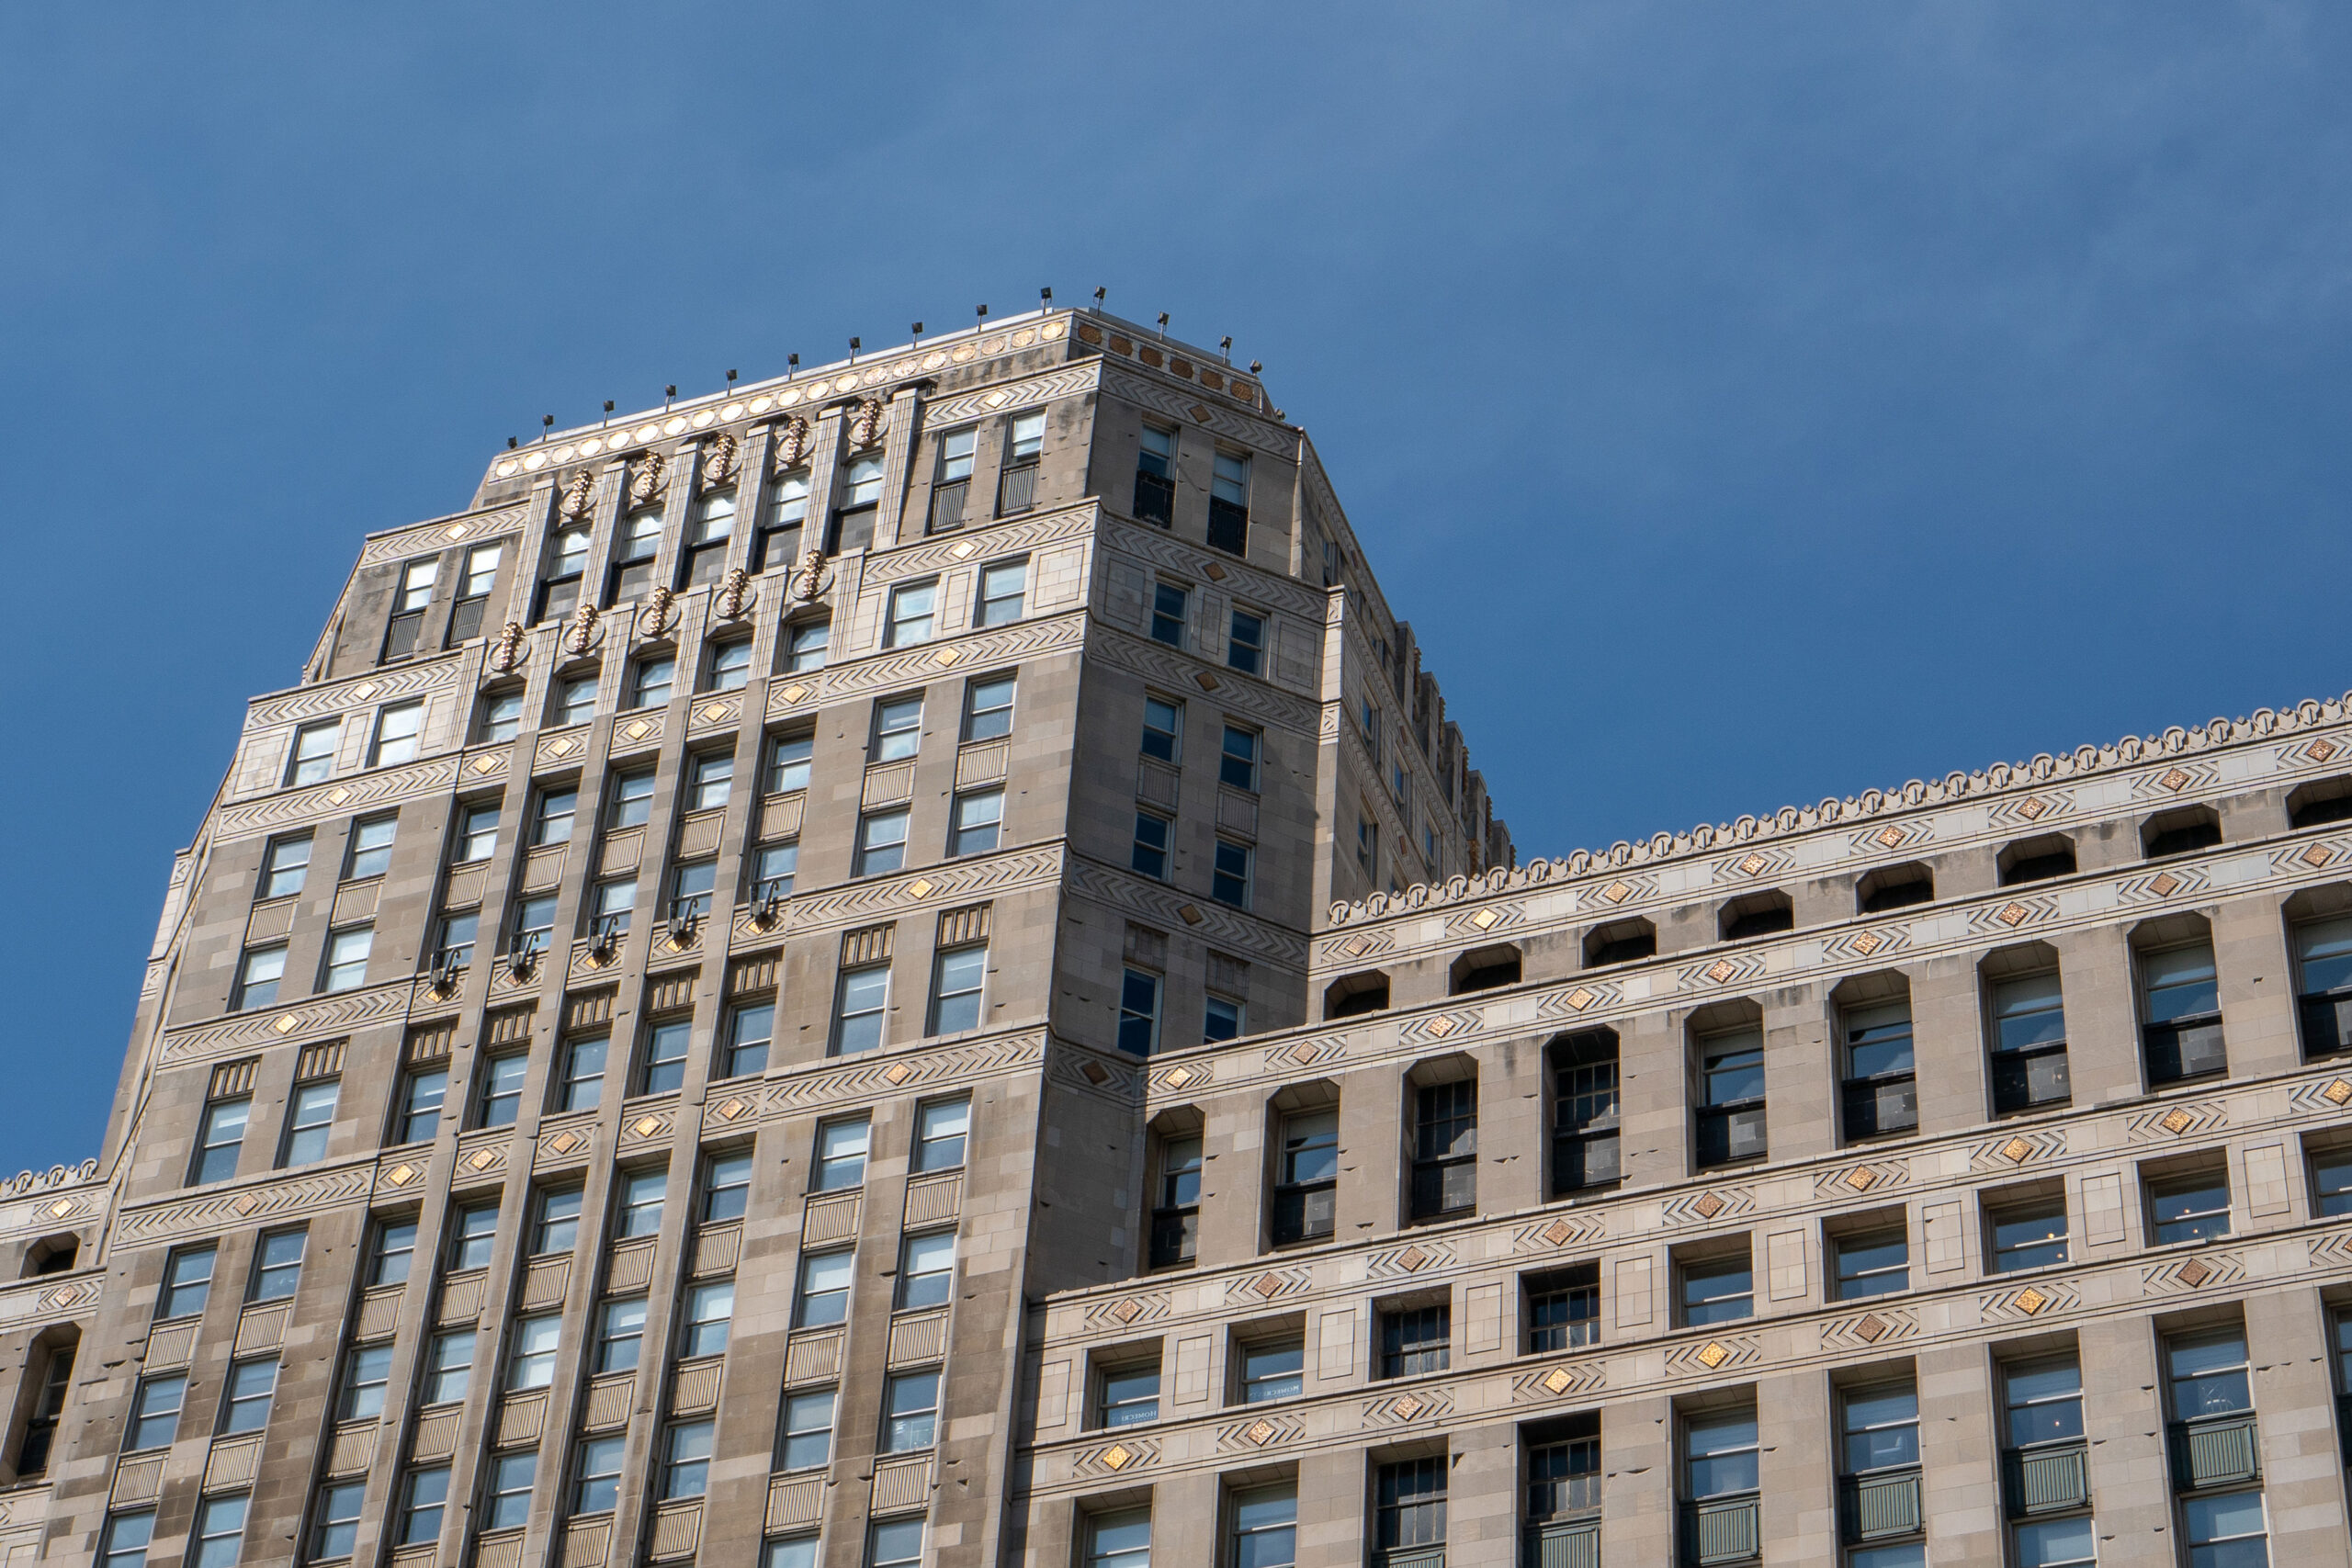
<point x="1229" y="526"/>
<point x="1175" y="1235"/>
<point x="465" y="619"/>
<point x="2219" y="1452"/>
<point x="2047" y="1480"/>
<point x="1882" y="1505"/>
<point x="1585" y="1159"/>
<point x="1729" y="1132"/>
<point x="1450" y="1186"/>
<point x="2328" y="1023"/>
<point x="947" y="505"/>
<point x="1874" y="1106"/>
<point x="1722" y="1530"/>
<point x="2023" y="1079"/>
<point x="1017" y="491"/>
<point x="2186" y="1048"/>
<point x="400" y="638"/>
<point x="1563" y="1543"/>
<point x="1305" y="1213"/>
<point x="1412" y="1557"/>
<point x="1155" y="499"/>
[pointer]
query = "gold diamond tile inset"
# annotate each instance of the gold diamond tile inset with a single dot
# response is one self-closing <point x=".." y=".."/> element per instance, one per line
<point x="920" y="887"/>
<point x="1860" y="1179"/>
<point x="1302" y="1053"/>
<point x="1127" y="1311"/>
<point x="560" y="748"/>
<point x="2033" y="808"/>
<point x="1411" y="1259"/>
<point x="2174" y="779"/>
<point x="2030" y="1300"/>
<point x="485" y="764"/>
<point x="731" y="1109"/>
<point x="1580" y="998"/>
<point x="946" y="656"/>
<point x="1753" y="864"/>
<point x="1179" y="1078"/>
<point x="647" y="1125"/>
<point x="2316" y="855"/>
<point x="1216" y="572"/>
<point x="1266" y="1285"/>
<point x="60" y="1209"/>
<point x="287" y="1025"/>
<point x="1869" y="943"/>
<point x="401" y="1175"/>
<point x="1207" y="681"/>
<point x="2015" y="1150"/>
<point x="453" y="531"/>
<point x="482" y="1159"/>
<point x="1872" y="1327"/>
<point x="2337" y="1092"/>
<point x="1890" y="836"/>
<point x="1560" y="1233"/>
<point x="1116" y="1456"/>
<point x="899" y="1072"/>
<point x="1441" y="1027"/>
<point x="1714" y="1355"/>
<point x="337" y="796"/>
<point x="715" y="711"/>
<point x="2323" y="749"/>
<point x="965" y="551"/>
<point x="1096" y="1074"/>
<point x="2194" y="1273"/>
<point x="1558" y="1380"/>
<point x="795" y="691"/>
<point x="1722" y="969"/>
<point x="1192" y="913"/>
<point x="1617" y="892"/>
<point x="564" y="1143"/>
<point x="365" y="690"/>
<point x="2013" y="914"/>
<point x="1485" y="920"/>
<point x="2165" y="885"/>
<point x="1709" y="1206"/>
<point x="1354" y="946"/>
<point x="1259" y="1432"/>
<point x="2176" y="1121"/>
<point x="246" y="1204"/>
<point x="1409" y="1407"/>
<point x="637" y="729"/>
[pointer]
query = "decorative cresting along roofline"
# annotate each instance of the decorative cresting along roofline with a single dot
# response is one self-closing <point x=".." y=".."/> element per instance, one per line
<point x="2084" y="762"/>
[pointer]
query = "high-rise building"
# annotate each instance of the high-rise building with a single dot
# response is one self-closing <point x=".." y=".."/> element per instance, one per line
<point x="901" y="966"/>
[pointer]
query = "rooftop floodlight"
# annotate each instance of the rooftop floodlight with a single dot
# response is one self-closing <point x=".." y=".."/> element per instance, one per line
<point x="1044" y="297"/>
<point x="731" y="380"/>
<point x="1224" y="346"/>
<point x="1255" y="368"/>
<point x="1163" y="323"/>
<point x="512" y="444"/>
<point x="547" y="425"/>
<point x="1099" y="294"/>
<point x="608" y="411"/>
<point x="791" y="363"/>
<point x="918" y="331"/>
<point x="853" y="351"/>
<point x="668" y="393"/>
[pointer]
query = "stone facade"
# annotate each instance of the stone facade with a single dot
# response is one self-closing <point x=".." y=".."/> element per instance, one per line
<point x="902" y="966"/>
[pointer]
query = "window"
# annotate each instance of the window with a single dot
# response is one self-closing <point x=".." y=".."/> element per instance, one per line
<point x="398" y="730"/>
<point x="748" y="1031"/>
<point x="531" y="1364"/>
<point x="1119" y="1540"/>
<point x="824" y="1290"/>
<point x="473" y="1236"/>
<point x="1265" y="1528"/>
<point x="952" y="481"/>
<point x="1229" y="504"/>
<point x="685" y="1460"/>
<point x="2322" y="801"/>
<point x="2180" y="832"/>
<point x="1564" y="1473"/>
<point x="613" y="904"/>
<point x="1872" y="1263"/>
<point x="502" y="715"/>
<point x="666" y="1055"/>
<point x="155" y="1414"/>
<point x="632" y="799"/>
<point x="553" y="825"/>
<point x="1731" y="1080"/>
<point x="926" y="1270"/>
<point x="804" y="646"/>
<point x="555" y="1227"/>
<point x="391" y="1249"/>
<point x="620" y="1334"/>
<point x="1245" y="643"/>
<point x="881" y="842"/>
<point x="458" y="931"/>
<point x="448" y="1367"/>
<point x="911" y="615"/>
<point x="477" y="834"/>
<point x="2208" y="1375"/>
<point x="1168" y="610"/>
<point x="2192" y="1206"/>
<point x="2044" y="1401"/>
<point x="1445" y="1149"/>
<point x="1368" y="845"/>
<point x="910" y="1412"/>
<point x="859" y="1012"/>
<point x="725" y="1188"/>
<point x="807" y="1431"/>
<point x="347" y="967"/>
<point x="1880" y="1091"/>
<point x="1238" y="764"/>
<point x="1017" y="485"/>
<point x="713" y="525"/>
<point x="842" y="1148"/>
<point x="941" y="1127"/>
<point x="1149" y="855"/>
<point x="1000" y="591"/>
<point x="1164" y="728"/>
<point x="2226" y="1532"/>
<point x="1716" y="1290"/>
<point x="1408" y="1505"/>
<point x="534" y="920"/>
<point x="309" y="1123"/>
<point x="2181" y="1009"/>
<point x="582" y="1083"/>
<point x="2036" y="860"/>
<point x="1415" y="1339"/>
<point x="773" y="869"/>
<point x="2332" y="1182"/>
<point x="1156" y="476"/>
<point x="1176" y="1203"/>
<point x="258" y="978"/>
<point x="898" y="728"/>
<point x="501" y="1088"/>
<point x="1584" y="1111"/>
<point x="1229" y="880"/>
<point x="1271" y="1369"/>
<point x="284" y="867"/>
<point x="2323" y="984"/>
<point x="313" y="759"/>
<point x="597" y="1485"/>
<point x="1139" y="1012"/>
<point x="639" y="1209"/>
<point x="656" y="675"/>
<point x="2028" y="1233"/>
<point x="730" y="665"/>
<point x="978" y="822"/>
<point x="1306" y="1172"/>
<point x="48" y="1410"/>
<point x="566" y="562"/>
<point x="334" y="1519"/>
<point x="1881" y="1428"/>
<point x="507" y="1492"/>
<point x="988" y="708"/>
<point x="1719" y="1454"/>
<point x="219" y="1533"/>
<point x="220" y="1139"/>
<point x="895" y="1544"/>
<point x="427" y="1494"/>
<point x="575" y="702"/>
<point x="779" y="538"/>
<point x="366" y="1371"/>
<point x="2030" y="1044"/>
<point x="244" y="1398"/>
<point x="958" y="978"/>
<point x="861" y="495"/>
<point x="1222" y="1018"/>
<point x="188" y="1282"/>
<point x="1563" y="1309"/>
<point x="126" y="1536"/>
<point x="710" y="1312"/>
<point x="474" y="592"/>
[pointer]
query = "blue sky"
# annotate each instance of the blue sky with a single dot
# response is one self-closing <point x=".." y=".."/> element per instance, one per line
<point x="1745" y="404"/>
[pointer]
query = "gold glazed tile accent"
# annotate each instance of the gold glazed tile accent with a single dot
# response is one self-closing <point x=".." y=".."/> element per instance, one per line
<point x="482" y="1159"/>
<point x="1216" y="572"/>
<point x="946" y="656"/>
<point x="2016" y="1151"/>
<point x="1127" y="1310"/>
<point x="453" y="531"/>
<point x="401" y="1175"/>
<point x="2194" y="1273"/>
<point x="1860" y="1179"/>
<point x="60" y="1209"/>
<point x="1559" y="1380"/>
<point x="1890" y="836"/>
<point x="1266" y="1285"/>
<point x="2013" y="914"/>
<point x="2176" y="1121"/>
<point x="1178" y="1078"/>
<point x="1709" y="1206"/>
<point x="1441" y="1027"/>
<point x="1871" y="1327"/>
<point x="898" y="1073"/>
<point x="485" y="764"/>
<point x="1714" y="1355"/>
<point x="2165" y="886"/>
<point x="246" y="1204"/>
<point x="337" y="796"/>
<point x="1192" y="913"/>
<point x="365" y="690"/>
<point x="964" y="551"/>
<point x="2174" y="780"/>
<point x="1207" y="681"/>
<point x="1096" y="1072"/>
<point x="1580" y="998"/>
<point x="2033" y="808"/>
<point x="2030" y="1300"/>
<point x="2316" y="855"/>
<point x="1199" y="415"/>
<point x="1867" y="943"/>
<point x="1722" y="969"/>
<point x="1618" y="892"/>
<point x="1259" y="1432"/>
<point x="647" y="1125"/>
<point x="1116" y="1456"/>
<point x="795" y="691"/>
<point x="1485" y="920"/>
<point x="1408" y="1407"/>
<point x="1354" y="947"/>
<point x="731" y="1109"/>
<point x="637" y="729"/>
<point x="1753" y="864"/>
<point x="2322" y="748"/>
<point x="1411" y="1259"/>
<point x="287" y="1025"/>
<point x="1560" y="1233"/>
<point x="561" y="748"/>
<point x="564" y="1143"/>
<point x="2337" y="1092"/>
<point x="715" y="711"/>
<point x="920" y="887"/>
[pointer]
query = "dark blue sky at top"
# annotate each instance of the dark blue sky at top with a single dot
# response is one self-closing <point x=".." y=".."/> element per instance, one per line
<point x="1746" y="403"/>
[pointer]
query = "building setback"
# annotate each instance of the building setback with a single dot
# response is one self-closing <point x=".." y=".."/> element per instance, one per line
<point x="902" y="966"/>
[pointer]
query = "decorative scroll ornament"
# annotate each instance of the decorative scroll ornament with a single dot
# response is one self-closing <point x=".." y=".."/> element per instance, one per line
<point x="645" y="483"/>
<point x="865" y="425"/>
<point x="718" y="464"/>
<point x="585" y="633"/>
<point x="735" y="595"/>
<point x="578" y="495"/>
<point x="791" y="444"/>
<point x="509" y="652"/>
<point x="811" y="578"/>
<point x="661" y="614"/>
